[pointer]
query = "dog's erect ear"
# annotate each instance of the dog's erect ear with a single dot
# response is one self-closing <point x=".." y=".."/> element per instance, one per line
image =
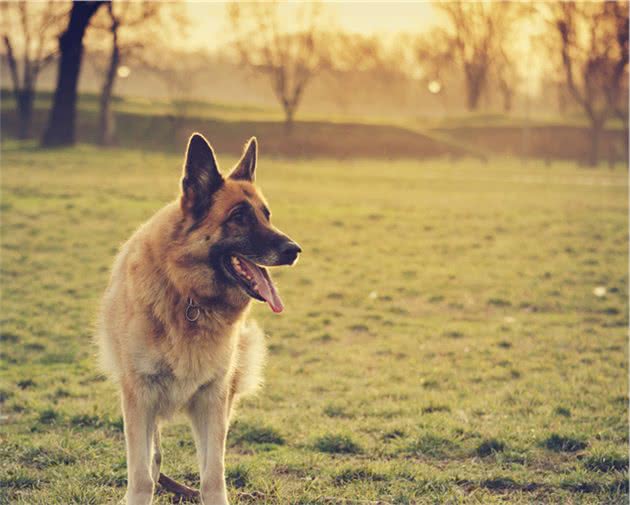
<point x="201" y="177"/>
<point x="245" y="169"/>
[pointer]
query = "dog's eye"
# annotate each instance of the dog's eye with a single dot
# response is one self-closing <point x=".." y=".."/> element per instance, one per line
<point x="239" y="216"/>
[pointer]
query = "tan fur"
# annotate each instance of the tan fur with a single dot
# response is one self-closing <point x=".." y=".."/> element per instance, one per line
<point x="165" y="363"/>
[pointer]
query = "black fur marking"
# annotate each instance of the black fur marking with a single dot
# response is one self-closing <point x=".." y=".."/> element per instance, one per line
<point x="205" y="386"/>
<point x="162" y="377"/>
<point x="199" y="220"/>
<point x="202" y="199"/>
<point x="202" y="178"/>
<point x="241" y="215"/>
<point x="253" y="240"/>
<point x="245" y="234"/>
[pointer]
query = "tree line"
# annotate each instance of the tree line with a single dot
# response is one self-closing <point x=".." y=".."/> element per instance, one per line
<point x="585" y="44"/>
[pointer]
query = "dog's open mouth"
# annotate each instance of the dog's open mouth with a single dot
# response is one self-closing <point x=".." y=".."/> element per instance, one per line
<point x="255" y="281"/>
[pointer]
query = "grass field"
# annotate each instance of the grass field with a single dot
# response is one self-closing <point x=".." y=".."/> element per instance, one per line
<point x="442" y="340"/>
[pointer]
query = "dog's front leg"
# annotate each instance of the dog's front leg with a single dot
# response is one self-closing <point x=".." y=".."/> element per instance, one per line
<point x="139" y="421"/>
<point x="208" y="411"/>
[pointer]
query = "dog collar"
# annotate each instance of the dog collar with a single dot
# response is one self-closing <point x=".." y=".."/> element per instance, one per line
<point x="192" y="311"/>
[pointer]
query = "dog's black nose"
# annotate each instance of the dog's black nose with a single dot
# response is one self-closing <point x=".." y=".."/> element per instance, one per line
<point x="289" y="252"/>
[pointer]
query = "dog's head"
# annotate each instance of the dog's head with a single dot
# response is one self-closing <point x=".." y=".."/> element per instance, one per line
<point x="228" y="225"/>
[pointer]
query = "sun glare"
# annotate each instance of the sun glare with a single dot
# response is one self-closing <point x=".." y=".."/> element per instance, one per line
<point x="434" y="87"/>
<point x="123" y="71"/>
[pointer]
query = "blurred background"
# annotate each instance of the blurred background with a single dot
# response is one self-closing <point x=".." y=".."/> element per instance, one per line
<point x="528" y="79"/>
<point x="457" y="175"/>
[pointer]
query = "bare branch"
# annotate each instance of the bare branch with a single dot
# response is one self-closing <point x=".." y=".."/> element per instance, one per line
<point x="26" y="33"/>
<point x="12" y="65"/>
<point x="593" y="48"/>
<point x="477" y="38"/>
<point x="290" y="55"/>
<point x="565" y="28"/>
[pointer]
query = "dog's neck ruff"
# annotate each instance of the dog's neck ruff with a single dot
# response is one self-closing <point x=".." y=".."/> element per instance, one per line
<point x="193" y="310"/>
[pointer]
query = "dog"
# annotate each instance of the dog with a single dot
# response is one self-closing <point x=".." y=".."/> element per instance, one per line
<point x="172" y="329"/>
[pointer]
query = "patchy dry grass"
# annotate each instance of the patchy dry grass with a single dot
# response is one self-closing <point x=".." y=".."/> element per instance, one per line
<point x="442" y="340"/>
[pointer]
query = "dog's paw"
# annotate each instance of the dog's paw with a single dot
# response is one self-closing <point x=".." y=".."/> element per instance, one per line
<point x="214" y="498"/>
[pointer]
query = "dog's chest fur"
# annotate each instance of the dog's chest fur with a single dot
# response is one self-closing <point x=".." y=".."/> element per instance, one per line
<point x="146" y="340"/>
<point x="203" y="360"/>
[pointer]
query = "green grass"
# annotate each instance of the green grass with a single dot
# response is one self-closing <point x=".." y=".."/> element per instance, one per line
<point x="441" y="343"/>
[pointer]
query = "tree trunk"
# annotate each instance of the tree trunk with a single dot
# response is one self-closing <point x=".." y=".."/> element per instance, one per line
<point x="474" y="87"/>
<point x="626" y="143"/>
<point x="25" y="99"/>
<point x="626" y="135"/>
<point x="507" y="99"/>
<point x="597" y="128"/>
<point x="24" y="94"/>
<point x="61" y="123"/>
<point x="106" y="119"/>
<point x="474" y="92"/>
<point x="288" y="120"/>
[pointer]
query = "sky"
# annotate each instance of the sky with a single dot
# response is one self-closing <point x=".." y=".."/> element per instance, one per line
<point x="209" y="28"/>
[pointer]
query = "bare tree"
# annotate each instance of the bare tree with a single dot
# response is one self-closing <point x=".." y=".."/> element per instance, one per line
<point x="291" y="55"/>
<point x="477" y="37"/>
<point x="179" y="73"/>
<point x="506" y="77"/>
<point x="61" y="123"/>
<point x="433" y="53"/>
<point x="354" y="51"/>
<point x="30" y="32"/>
<point x="430" y="60"/>
<point x="132" y="28"/>
<point x="593" y="49"/>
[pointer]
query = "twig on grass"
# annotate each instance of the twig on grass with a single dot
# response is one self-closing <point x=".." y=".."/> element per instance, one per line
<point x="182" y="492"/>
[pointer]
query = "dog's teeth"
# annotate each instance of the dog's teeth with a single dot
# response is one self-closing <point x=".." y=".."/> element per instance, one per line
<point x="236" y="263"/>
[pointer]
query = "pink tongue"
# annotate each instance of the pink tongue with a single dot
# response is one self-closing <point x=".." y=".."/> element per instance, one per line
<point x="265" y="287"/>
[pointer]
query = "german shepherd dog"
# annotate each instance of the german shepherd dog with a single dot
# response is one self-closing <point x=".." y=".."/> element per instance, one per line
<point x="172" y="327"/>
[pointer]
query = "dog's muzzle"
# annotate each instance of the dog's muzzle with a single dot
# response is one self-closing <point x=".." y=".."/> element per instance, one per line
<point x="288" y="252"/>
